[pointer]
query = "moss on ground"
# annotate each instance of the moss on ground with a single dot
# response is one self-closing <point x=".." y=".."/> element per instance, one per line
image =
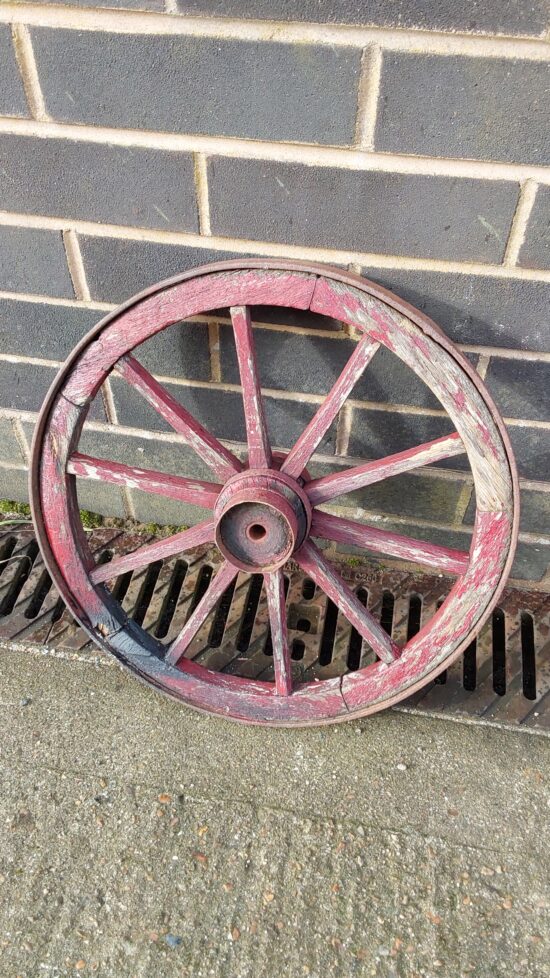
<point x="92" y="521"/>
<point x="10" y="507"/>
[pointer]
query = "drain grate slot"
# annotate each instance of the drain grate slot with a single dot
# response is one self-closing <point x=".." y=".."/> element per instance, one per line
<point x="146" y="592"/>
<point x="469" y="668"/>
<point x="329" y="633"/>
<point x="415" y="616"/>
<point x="528" y="657"/>
<point x="503" y="675"/>
<point x="203" y="581"/>
<point x="499" y="652"/>
<point x="123" y="582"/>
<point x="250" y="609"/>
<point x="58" y="610"/>
<point x="40" y="594"/>
<point x="297" y="650"/>
<point x="170" y="603"/>
<point x="25" y="562"/>
<point x="6" y="550"/>
<point x="355" y="641"/>
<point x="308" y="589"/>
<point x="386" y="617"/>
<point x="221" y="616"/>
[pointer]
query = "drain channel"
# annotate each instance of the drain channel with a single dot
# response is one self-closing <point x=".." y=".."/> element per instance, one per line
<point x="503" y="675"/>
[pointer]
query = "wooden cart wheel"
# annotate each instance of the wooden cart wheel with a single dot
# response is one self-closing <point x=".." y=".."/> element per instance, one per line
<point x="265" y="511"/>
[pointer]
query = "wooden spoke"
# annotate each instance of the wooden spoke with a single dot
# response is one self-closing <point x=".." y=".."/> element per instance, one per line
<point x="259" y="450"/>
<point x="216" y="456"/>
<point x="222" y="580"/>
<point x="392" y="544"/>
<point x="276" y="603"/>
<point x="312" y="561"/>
<point x="159" y="550"/>
<point x="173" y="486"/>
<point x="302" y="451"/>
<point x="329" y="486"/>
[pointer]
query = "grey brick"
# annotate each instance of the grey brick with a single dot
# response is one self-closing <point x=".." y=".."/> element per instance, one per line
<point x="100" y="497"/>
<point x="478" y="108"/>
<point x="531" y="563"/>
<point x="148" y="453"/>
<point x="458" y="540"/>
<point x="34" y="261"/>
<point x="477" y="309"/>
<point x="375" y="434"/>
<point x="534" y="512"/>
<point x="12" y="95"/>
<point x="116" y="269"/>
<point x="521" y="388"/>
<point x="94" y="496"/>
<point x="531" y="447"/>
<point x="23" y="387"/>
<point x="494" y="16"/>
<point x="206" y="85"/>
<point x="9" y="446"/>
<point x="114" y="184"/>
<point x="221" y="412"/>
<point x="313" y="363"/>
<point x="52" y="331"/>
<point x="436" y="217"/>
<point x="414" y="497"/>
<point x="286" y="419"/>
<point x="157" y="509"/>
<point x="43" y="330"/>
<point x="181" y="351"/>
<point x="14" y="484"/>
<point x="157" y="5"/>
<point x="535" y="251"/>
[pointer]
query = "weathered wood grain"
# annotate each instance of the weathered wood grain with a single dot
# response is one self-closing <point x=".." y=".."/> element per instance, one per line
<point x="223" y="578"/>
<point x="195" y="296"/>
<point x="213" y="453"/>
<point x="275" y="590"/>
<point x="355" y="534"/>
<point x="148" y="480"/>
<point x="259" y="450"/>
<point x="302" y="451"/>
<point x="443" y="375"/>
<point x="158" y="550"/>
<point x="456" y="621"/>
<point x="312" y="561"/>
<point x="338" y="483"/>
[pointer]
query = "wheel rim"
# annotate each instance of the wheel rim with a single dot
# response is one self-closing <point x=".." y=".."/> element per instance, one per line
<point x="267" y="510"/>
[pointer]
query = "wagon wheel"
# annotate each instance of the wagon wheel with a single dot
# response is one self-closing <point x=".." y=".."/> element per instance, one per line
<point x="264" y="511"/>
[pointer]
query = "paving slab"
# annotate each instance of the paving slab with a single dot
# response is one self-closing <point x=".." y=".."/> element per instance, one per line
<point x="138" y="838"/>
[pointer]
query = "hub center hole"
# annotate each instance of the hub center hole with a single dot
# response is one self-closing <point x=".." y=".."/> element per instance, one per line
<point x="256" y="531"/>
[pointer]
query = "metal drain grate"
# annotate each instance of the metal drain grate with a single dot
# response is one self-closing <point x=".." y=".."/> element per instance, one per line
<point x="503" y="676"/>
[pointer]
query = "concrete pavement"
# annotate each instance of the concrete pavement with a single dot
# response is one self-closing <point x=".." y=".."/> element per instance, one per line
<point x="139" y="838"/>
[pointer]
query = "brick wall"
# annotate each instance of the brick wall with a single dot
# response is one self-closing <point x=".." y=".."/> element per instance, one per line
<point x="407" y="140"/>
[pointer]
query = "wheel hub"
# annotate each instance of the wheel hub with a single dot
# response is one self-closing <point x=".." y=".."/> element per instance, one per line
<point x="261" y="518"/>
